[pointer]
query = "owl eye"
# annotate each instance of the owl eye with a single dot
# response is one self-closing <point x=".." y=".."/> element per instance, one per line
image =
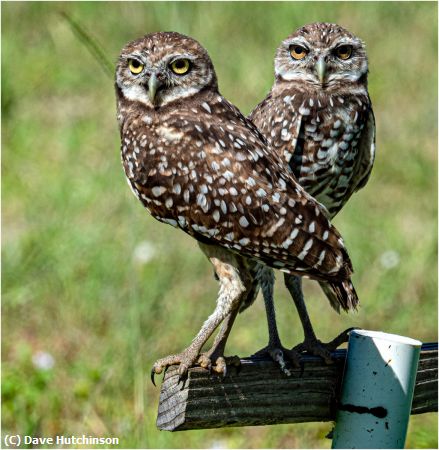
<point x="344" y="51"/>
<point x="298" y="52"/>
<point x="180" y="66"/>
<point x="135" y="66"/>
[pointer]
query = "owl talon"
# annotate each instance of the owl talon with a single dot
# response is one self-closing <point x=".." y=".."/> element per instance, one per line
<point x="185" y="360"/>
<point x="340" y="339"/>
<point x="152" y="377"/>
<point x="220" y="365"/>
<point x="322" y="349"/>
<point x="282" y="356"/>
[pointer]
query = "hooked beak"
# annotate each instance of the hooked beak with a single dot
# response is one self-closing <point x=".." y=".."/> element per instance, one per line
<point x="153" y="85"/>
<point x="321" y="69"/>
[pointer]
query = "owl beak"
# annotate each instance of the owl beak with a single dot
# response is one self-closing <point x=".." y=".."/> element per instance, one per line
<point x="321" y="69"/>
<point x="153" y="85"/>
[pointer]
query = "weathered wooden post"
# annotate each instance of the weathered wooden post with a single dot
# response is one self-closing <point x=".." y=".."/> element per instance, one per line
<point x="377" y="390"/>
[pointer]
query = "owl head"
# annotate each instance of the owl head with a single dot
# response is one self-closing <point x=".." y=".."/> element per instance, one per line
<point x="160" y="68"/>
<point x="323" y="55"/>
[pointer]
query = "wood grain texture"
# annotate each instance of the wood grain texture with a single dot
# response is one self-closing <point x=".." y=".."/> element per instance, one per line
<point x="259" y="394"/>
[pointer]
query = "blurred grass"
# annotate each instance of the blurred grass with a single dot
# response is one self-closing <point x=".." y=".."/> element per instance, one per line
<point x="75" y="285"/>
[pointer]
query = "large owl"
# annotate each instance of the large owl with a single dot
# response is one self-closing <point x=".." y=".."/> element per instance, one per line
<point x="197" y="164"/>
<point x="318" y="118"/>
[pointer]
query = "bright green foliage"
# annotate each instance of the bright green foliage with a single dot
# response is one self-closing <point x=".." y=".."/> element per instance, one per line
<point x="73" y="286"/>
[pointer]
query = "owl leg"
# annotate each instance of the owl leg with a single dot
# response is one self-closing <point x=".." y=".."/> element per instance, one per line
<point x="216" y="353"/>
<point x="233" y="285"/>
<point x="274" y="349"/>
<point x="311" y="344"/>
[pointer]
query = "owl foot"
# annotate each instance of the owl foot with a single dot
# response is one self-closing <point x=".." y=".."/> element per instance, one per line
<point x="185" y="359"/>
<point x="282" y="356"/>
<point x="221" y="363"/>
<point x="322" y="349"/>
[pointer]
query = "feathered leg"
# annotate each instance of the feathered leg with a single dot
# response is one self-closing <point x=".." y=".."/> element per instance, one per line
<point x="234" y="281"/>
<point x="214" y="358"/>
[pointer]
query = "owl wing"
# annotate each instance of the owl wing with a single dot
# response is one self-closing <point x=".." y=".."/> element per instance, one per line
<point x="366" y="155"/>
<point x="236" y="194"/>
<point x="266" y="116"/>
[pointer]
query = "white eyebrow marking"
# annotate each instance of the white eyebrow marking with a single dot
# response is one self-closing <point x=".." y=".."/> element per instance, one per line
<point x="298" y="40"/>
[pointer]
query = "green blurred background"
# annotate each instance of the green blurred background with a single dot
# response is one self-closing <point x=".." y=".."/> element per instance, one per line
<point x="95" y="290"/>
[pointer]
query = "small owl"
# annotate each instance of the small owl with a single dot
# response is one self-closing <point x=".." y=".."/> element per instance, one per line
<point x="318" y="118"/>
<point x="197" y="164"/>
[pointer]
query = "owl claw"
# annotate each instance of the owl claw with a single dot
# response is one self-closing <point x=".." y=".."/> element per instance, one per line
<point x="185" y="360"/>
<point x="220" y="365"/>
<point x="323" y="349"/>
<point x="152" y="377"/>
<point x="282" y="356"/>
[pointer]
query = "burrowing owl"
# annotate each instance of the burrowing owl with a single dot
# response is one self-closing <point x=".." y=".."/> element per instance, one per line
<point x="318" y="118"/>
<point x="196" y="163"/>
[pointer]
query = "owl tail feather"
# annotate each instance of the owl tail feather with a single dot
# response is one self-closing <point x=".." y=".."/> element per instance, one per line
<point x="341" y="294"/>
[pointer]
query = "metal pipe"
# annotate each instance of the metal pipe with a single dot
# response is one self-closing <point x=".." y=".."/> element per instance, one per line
<point x="377" y="390"/>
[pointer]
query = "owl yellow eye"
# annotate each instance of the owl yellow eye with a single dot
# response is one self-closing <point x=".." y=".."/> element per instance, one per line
<point x="135" y="66"/>
<point x="298" y="52"/>
<point x="180" y="66"/>
<point x="344" y="51"/>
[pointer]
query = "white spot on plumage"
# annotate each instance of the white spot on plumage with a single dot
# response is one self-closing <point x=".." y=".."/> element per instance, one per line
<point x="294" y="233"/>
<point x="157" y="191"/>
<point x="291" y="203"/>
<point x="228" y="175"/>
<point x="216" y="216"/>
<point x="304" y="111"/>
<point x="240" y="156"/>
<point x="243" y="222"/>
<point x="274" y="227"/>
<point x="321" y="258"/>
<point x="170" y="222"/>
<point x="170" y="134"/>
<point x="306" y="249"/>
<point x="212" y="232"/>
<point x="202" y="201"/>
<point x="206" y="107"/>
<point x="251" y="182"/>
